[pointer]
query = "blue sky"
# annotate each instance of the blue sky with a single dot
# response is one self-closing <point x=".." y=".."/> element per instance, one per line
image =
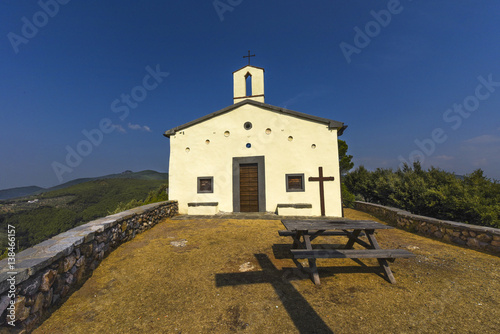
<point x="405" y="76"/>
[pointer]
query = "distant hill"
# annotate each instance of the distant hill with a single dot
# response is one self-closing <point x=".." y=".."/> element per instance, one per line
<point x="19" y="192"/>
<point x="34" y="190"/>
<point x="143" y="175"/>
<point x="39" y="217"/>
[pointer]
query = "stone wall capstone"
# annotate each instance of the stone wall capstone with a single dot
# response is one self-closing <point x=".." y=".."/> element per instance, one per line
<point x="43" y="275"/>
<point x="472" y="236"/>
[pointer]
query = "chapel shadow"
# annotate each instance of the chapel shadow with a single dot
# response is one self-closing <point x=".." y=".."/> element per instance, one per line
<point x="304" y="317"/>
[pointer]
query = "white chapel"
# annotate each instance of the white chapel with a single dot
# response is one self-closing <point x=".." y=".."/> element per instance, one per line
<point x="256" y="157"/>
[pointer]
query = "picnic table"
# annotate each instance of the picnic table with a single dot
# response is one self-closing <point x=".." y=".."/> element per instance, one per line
<point x="305" y="231"/>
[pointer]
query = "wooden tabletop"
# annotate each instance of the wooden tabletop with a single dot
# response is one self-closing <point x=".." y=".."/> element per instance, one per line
<point x="334" y="224"/>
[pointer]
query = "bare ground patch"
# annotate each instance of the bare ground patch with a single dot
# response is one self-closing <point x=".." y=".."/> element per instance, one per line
<point x="150" y="286"/>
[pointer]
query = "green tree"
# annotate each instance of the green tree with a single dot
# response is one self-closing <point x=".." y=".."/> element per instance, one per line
<point x="344" y="159"/>
<point x="347" y="197"/>
<point x="345" y="165"/>
<point x="360" y="182"/>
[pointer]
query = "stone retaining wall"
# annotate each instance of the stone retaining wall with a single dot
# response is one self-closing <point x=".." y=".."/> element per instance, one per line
<point x="472" y="236"/>
<point x="42" y="276"/>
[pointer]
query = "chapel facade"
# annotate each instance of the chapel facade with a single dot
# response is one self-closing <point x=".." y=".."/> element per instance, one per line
<point x="255" y="157"/>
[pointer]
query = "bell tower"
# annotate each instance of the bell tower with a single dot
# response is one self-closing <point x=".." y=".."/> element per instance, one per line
<point x="248" y="83"/>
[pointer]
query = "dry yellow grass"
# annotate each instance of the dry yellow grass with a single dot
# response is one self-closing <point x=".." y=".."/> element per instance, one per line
<point x="149" y="286"/>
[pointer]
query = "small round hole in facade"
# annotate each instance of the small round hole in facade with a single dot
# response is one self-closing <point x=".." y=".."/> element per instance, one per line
<point x="248" y="145"/>
<point x="247" y="125"/>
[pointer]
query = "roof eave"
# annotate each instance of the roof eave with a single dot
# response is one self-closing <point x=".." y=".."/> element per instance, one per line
<point x="170" y="132"/>
<point x="332" y="124"/>
<point x="340" y="130"/>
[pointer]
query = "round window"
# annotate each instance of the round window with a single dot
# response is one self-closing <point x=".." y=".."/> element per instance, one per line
<point x="247" y="125"/>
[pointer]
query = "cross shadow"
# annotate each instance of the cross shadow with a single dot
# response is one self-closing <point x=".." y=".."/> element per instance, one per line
<point x="305" y="319"/>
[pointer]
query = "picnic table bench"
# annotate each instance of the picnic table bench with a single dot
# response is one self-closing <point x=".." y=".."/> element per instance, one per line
<point x="304" y="231"/>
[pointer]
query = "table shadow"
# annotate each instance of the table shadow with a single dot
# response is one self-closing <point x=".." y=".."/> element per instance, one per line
<point x="282" y="251"/>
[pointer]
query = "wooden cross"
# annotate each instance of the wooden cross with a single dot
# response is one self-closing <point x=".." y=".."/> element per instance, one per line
<point x="304" y="317"/>
<point x="321" y="179"/>
<point x="249" y="55"/>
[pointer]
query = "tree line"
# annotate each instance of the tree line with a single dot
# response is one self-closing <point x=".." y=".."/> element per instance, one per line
<point x="472" y="199"/>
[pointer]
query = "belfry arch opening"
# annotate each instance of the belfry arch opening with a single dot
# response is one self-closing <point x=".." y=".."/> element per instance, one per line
<point x="248" y="84"/>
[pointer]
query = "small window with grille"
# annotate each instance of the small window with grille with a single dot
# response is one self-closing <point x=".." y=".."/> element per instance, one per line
<point x="205" y="184"/>
<point x="294" y="182"/>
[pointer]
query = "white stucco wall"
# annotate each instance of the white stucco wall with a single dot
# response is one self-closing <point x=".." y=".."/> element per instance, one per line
<point x="282" y="156"/>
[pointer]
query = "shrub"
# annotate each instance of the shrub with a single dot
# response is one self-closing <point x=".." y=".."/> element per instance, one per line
<point x="470" y="199"/>
<point x="347" y="197"/>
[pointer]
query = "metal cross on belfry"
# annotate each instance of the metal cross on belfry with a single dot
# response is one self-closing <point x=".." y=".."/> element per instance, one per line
<point x="249" y="55"/>
<point x="321" y="179"/>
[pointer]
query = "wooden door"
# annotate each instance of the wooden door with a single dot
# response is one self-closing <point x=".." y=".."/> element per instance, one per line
<point x="249" y="188"/>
